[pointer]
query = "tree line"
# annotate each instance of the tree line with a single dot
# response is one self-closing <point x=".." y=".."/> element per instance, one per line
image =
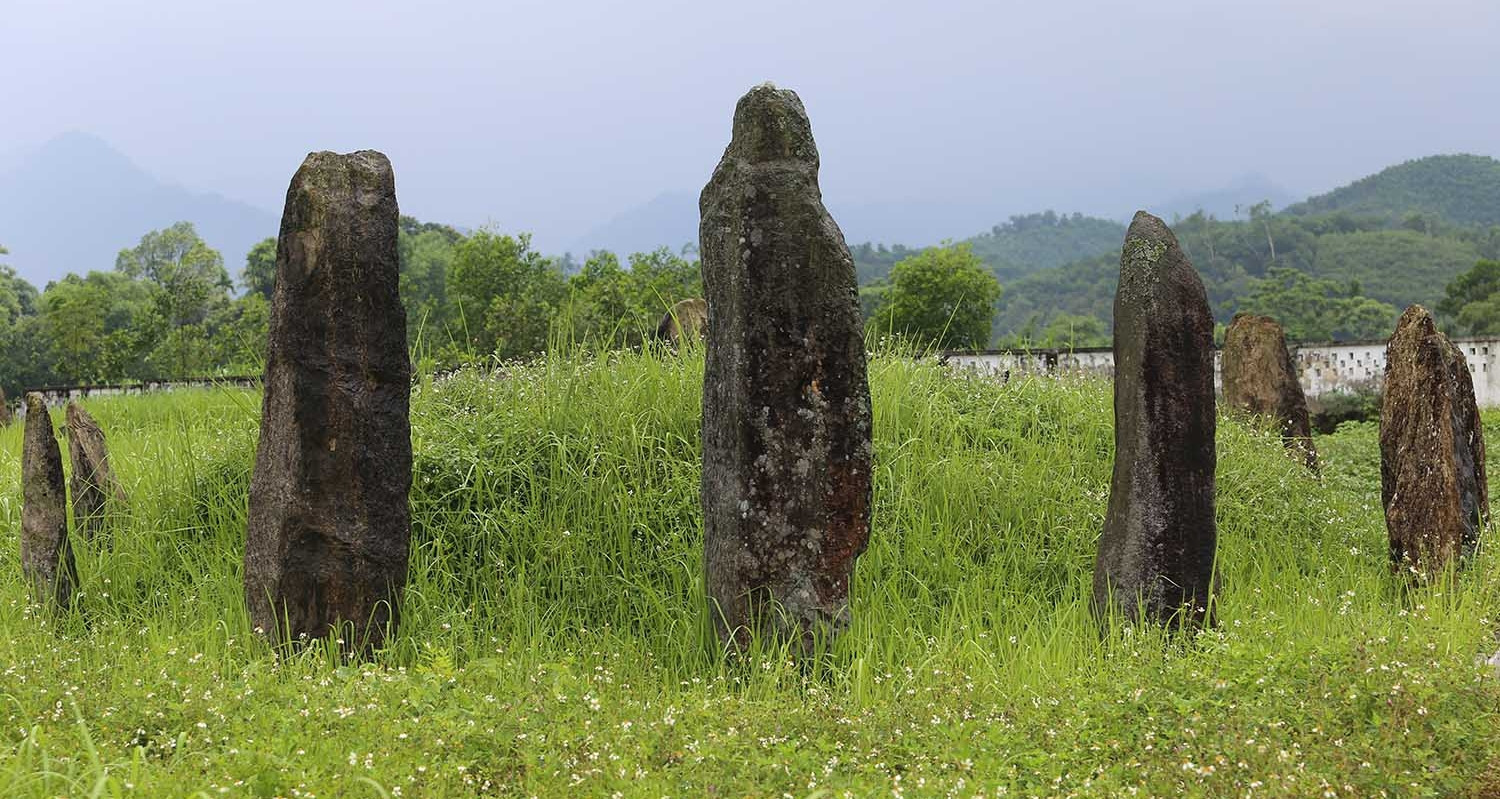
<point x="170" y="307"/>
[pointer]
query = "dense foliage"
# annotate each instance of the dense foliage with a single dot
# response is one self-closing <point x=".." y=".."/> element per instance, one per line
<point x="167" y="309"/>
<point x="1363" y="260"/>
<point x="1473" y="299"/>
<point x="941" y="298"/>
<point x="550" y="641"/>
<point x="1458" y="189"/>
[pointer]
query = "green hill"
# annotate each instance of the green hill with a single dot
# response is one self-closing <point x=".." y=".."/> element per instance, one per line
<point x="1457" y="189"/>
<point x="1034" y="242"/>
<point x="1013" y="249"/>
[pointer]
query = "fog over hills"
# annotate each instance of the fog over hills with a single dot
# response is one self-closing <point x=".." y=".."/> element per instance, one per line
<point x="74" y="203"/>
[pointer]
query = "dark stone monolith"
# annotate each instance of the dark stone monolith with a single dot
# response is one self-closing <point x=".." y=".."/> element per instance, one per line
<point x="46" y="554"/>
<point x="329" y="527"/>
<point x="1432" y="476"/>
<point x="686" y="320"/>
<point x="93" y="483"/>
<point x="786" y="403"/>
<point x="1260" y="379"/>
<point x="1156" y="553"/>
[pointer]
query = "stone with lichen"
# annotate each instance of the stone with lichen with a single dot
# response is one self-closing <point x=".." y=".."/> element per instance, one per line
<point x="93" y="482"/>
<point x="1260" y="379"/>
<point x="1156" y="552"/>
<point x="786" y="404"/>
<point x="46" y="553"/>
<point x="1432" y="474"/>
<point x="329" y="526"/>
<point x="686" y="320"/>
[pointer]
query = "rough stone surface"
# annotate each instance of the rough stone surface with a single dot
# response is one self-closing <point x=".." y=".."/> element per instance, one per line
<point x="93" y="483"/>
<point x="329" y="526"/>
<point x="1432" y="476"/>
<point x="786" y="404"/>
<point x="46" y="554"/>
<point x="1156" y="553"/>
<point x="1261" y="379"/>
<point x="687" y="319"/>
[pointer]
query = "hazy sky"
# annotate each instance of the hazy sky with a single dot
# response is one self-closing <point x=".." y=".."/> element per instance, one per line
<point x="554" y="116"/>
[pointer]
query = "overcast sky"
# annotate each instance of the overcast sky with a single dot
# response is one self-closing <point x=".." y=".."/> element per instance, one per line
<point x="554" y="116"/>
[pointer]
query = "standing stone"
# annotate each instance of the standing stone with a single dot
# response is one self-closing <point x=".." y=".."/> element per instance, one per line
<point x="786" y="403"/>
<point x="329" y="526"/>
<point x="4" y="409"/>
<point x="46" y="555"/>
<point x="687" y="320"/>
<point x="1260" y="379"/>
<point x="1156" y="554"/>
<point x="94" y="485"/>
<point x="1432" y="477"/>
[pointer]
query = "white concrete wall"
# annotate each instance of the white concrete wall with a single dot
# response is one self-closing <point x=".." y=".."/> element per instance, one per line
<point x="1324" y="368"/>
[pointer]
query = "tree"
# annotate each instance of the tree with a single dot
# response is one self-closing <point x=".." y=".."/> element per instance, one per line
<point x="1473" y="299"/>
<point x="942" y="297"/>
<point x="24" y="360"/>
<point x="97" y="326"/>
<point x="1312" y="309"/>
<point x="427" y="251"/>
<point x="1071" y="331"/>
<point x="188" y="282"/>
<point x="259" y="274"/>
<point x="506" y="292"/>
<point x="614" y="306"/>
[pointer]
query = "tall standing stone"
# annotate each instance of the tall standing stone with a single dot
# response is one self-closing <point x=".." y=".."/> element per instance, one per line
<point x="1260" y="379"/>
<point x="786" y="403"/>
<point x="1432" y="476"/>
<point x="1156" y="553"/>
<point x="93" y="484"/>
<point x="46" y="554"/>
<point x="329" y="526"/>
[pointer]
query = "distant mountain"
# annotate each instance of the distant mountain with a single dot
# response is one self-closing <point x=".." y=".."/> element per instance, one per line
<point x="74" y="203"/>
<point x="1230" y="202"/>
<point x="671" y="220"/>
<point x="1459" y="189"/>
<point x="666" y="220"/>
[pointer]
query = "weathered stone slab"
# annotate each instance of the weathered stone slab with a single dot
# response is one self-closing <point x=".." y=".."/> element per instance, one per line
<point x="46" y="553"/>
<point x="329" y="526"/>
<point x="1432" y="475"/>
<point x="688" y="319"/>
<point x="786" y="403"/>
<point x="1261" y="379"/>
<point x="1156" y="553"/>
<point x="93" y="483"/>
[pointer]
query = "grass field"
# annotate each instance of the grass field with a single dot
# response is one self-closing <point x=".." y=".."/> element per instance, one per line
<point x="552" y="642"/>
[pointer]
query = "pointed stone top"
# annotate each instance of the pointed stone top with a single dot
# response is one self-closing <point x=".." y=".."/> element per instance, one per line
<point x="1147" y="239"/>
<point x="1245" y="319"/>
<point x="1416" y="315"/>
<point x="76" y="415"/>
<point x="1150" y="261"/>
<point x="770" y="124"/>
<point x="35" y="403"/>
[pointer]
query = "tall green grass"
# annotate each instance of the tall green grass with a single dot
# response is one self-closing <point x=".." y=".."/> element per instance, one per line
<point x="551" y="639"/>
